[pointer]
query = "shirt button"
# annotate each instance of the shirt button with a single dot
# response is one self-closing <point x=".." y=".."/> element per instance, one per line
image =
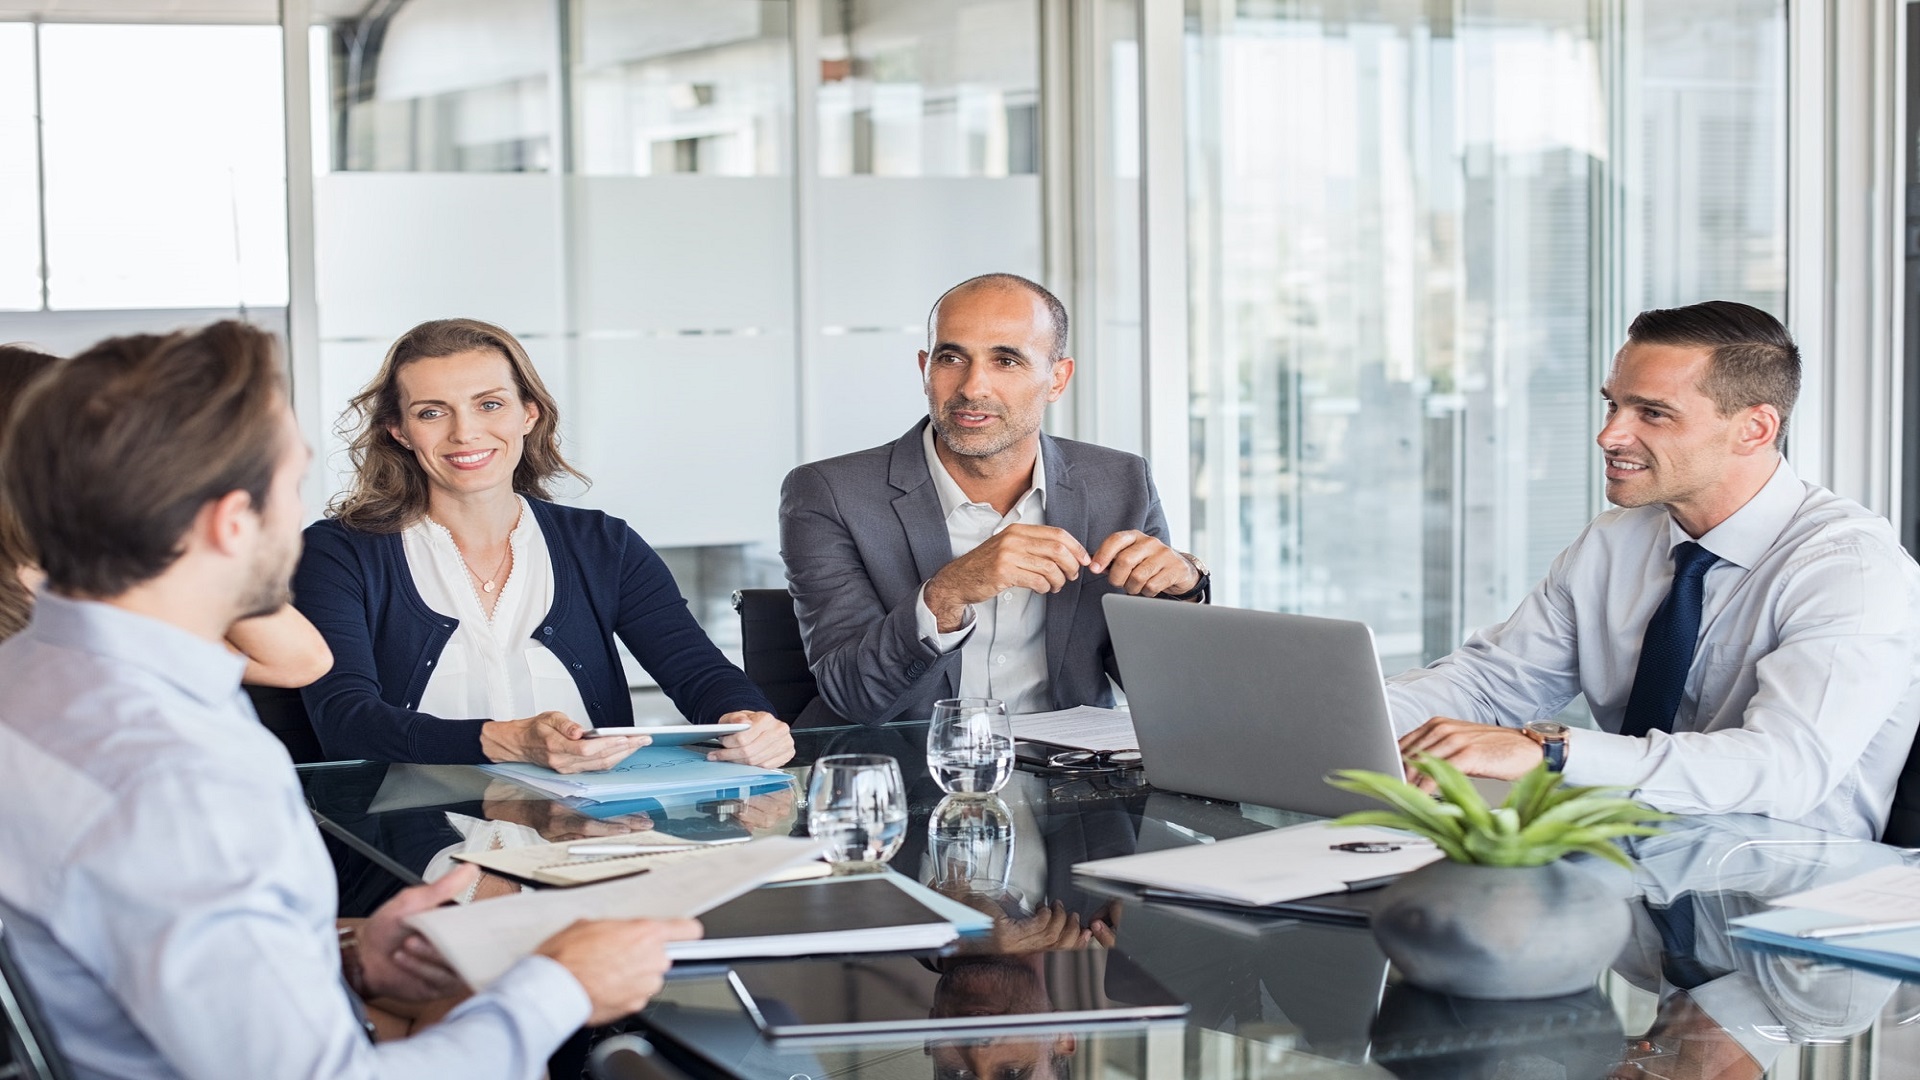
<point x="1001" y="659"/>
<point x="429" y="663"/>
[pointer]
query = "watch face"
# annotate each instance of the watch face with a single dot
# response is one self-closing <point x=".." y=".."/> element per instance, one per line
<point x="1548" y="729"/>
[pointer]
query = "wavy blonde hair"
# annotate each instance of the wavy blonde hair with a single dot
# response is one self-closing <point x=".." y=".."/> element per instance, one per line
<point x="389" y="489"/>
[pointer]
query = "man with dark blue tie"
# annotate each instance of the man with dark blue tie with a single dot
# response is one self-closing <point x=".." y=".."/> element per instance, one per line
<point x="1747" y="642"/>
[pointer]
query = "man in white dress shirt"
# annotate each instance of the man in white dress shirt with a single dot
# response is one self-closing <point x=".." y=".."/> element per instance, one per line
<point x="1747" y="642"/>
<point x="161" y="882"/>
<point x="968" y="557"/>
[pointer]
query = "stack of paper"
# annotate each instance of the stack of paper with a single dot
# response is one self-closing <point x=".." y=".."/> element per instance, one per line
<point x="1083" y="727"/>
<point x="481" y="941"/>
<point x="1272" y="867"/>
<point x="651" y="772"/>
<point x="1873" y="919"/>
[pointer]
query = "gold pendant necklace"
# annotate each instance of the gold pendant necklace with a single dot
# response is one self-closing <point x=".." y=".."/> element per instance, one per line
<point x="487" y="585"/>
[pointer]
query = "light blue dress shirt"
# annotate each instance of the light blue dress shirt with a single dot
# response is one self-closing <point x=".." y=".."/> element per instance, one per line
<point x="167" y="892"/>
<point x="1804" y="692"/>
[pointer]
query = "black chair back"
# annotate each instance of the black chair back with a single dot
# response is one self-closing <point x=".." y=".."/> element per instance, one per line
<point x="284" y="713"/>
<point x="1903" y="825"/>
<point x="27" y="1047"/>
<point x="776" y="660"/>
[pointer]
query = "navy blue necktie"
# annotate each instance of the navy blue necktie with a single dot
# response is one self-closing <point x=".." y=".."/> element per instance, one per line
<point x="1667" y="651"/>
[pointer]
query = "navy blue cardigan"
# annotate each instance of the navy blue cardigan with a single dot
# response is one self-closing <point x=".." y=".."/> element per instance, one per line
<point x="357" y="591"/>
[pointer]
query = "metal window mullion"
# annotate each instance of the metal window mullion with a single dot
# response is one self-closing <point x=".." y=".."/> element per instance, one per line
<point x="1166" y="381"/>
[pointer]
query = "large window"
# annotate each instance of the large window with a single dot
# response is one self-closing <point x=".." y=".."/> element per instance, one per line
<point x="1418" y="231"/>
<point x="173" y="196"/>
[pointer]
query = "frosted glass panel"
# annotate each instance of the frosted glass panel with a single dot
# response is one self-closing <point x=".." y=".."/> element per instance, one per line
<point x="394" y="250"/>
<point x="685" y="254"/>
<point x="687" y="438"/>
<point x="890" y="247"/>
<point x="867" y="390"/>
<point x="174" y="195"/>
<point x="19" y="162"/>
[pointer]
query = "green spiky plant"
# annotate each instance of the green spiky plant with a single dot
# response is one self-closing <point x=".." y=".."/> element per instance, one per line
<point x="1541" y="821"/>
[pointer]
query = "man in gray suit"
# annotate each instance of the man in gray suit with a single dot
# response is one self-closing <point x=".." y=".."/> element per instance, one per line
<point x="968" y="557"/>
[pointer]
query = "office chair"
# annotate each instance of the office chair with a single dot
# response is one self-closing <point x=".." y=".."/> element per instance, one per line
<point x="1903" y="824"/>
<point x="284" y="713"/>
<point x="27" y="1047"/>
<point x="776" y="660"/>
<point x="629" y="1057"/>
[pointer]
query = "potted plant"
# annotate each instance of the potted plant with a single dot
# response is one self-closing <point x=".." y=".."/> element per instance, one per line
<point x="1502" y="915"/>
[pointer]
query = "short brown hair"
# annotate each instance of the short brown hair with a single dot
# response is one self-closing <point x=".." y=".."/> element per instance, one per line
<point x="389" y="489"/>
<point x="1755" y="361"/>
<point x="1056" y="311"/>
<point x="19" y="366"/>
<point x="112" y="455"/>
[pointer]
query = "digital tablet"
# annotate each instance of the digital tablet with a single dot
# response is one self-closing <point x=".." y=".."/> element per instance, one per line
<point x="672" y="734"/>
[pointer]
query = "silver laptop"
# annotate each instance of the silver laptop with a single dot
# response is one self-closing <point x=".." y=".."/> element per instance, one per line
<point x="1252" y="706"/>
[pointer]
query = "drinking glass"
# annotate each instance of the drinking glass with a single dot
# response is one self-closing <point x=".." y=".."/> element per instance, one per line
<point x="857" y="803"/>
<point x="970" y="746"/>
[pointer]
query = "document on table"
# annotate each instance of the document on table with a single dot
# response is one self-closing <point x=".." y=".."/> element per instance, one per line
<point x="1083" y="727"/>
<point x="1883" y="895"/>
<point x="554" y="864"/>
<point x="481" y="941"/>
<point x="651" y="771"/>
<point x="1271" y="867"/>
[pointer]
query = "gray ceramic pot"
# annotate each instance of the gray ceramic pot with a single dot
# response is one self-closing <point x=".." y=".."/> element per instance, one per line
<point x="1506" y="933"/>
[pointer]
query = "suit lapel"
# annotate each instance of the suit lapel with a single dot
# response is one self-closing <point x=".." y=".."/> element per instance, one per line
<point x="1066" y="509"/>
<point x="918" y="505"/>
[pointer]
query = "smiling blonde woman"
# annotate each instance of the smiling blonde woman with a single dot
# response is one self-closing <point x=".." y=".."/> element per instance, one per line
<point x="472" y="619"/>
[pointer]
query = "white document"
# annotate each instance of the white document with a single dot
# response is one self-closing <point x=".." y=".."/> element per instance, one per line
<point x="1083" y="727"/>
<point x="481" y="941"/>
<point x="1884" y="895"/>
<point x="1270" y="867"/>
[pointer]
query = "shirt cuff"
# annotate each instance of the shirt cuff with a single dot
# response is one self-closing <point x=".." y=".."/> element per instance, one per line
<point x="929" y="628"/>
<point x="1603" y="759"/>
<point x="545" y="997"/>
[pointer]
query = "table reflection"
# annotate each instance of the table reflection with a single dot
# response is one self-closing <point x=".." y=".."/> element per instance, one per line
<point x="1267" y="993"/>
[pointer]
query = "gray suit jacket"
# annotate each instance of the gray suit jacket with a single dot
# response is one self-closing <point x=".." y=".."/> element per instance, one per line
<point x="861" y="533"/>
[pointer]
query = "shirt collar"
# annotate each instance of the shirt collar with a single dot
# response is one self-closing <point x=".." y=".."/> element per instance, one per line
<point x="1746" y="537"/>
<point x="201" y="669"/>
<point x="952" y="498"/>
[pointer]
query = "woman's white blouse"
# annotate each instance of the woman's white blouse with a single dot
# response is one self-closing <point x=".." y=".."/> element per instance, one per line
<point x="491" y="668"/>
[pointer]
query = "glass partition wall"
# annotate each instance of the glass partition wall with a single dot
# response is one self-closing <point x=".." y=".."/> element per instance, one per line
<point x="715" y="286"/>
<point x="1418" y="231"/>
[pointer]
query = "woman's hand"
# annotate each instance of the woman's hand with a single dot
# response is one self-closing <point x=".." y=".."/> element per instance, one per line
<point x="768" y="743"/>
<point x="553" y="740"/>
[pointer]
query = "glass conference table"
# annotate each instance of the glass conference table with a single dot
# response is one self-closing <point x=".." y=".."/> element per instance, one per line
<point x="1270" y="996"/>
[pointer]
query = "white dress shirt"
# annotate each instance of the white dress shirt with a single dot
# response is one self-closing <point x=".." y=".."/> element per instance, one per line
<point x="492" y="667"/>
<point x="1801" y="702"/>
<point x="1003" y="643"/>
<point x="165" y="888"/>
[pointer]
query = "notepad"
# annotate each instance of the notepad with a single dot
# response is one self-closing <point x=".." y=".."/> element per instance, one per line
<point x="551" y="864"/>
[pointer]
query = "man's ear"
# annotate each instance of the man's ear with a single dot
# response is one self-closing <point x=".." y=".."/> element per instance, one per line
<point x="1759" y="430"/>
<point x="226" y="523"/>
<point x="1062" y="374"/>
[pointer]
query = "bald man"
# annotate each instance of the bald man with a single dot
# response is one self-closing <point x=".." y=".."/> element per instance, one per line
<point x="968" y="557"/>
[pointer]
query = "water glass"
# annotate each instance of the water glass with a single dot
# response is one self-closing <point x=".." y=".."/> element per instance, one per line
<point x="857" y="803"/>
<point x="970" y="746"/>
